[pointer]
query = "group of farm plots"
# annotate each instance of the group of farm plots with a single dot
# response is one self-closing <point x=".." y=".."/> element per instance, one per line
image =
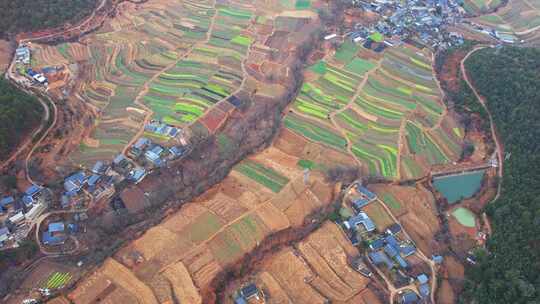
<point x="368" y="118"/>
<point x="264" y="194"/>
<point x="315" y="270"/>
<point x="477" y="7"/>
<point x="416" y="210"/>
<point x="185" y="91"/>
<point x="518" y="19"/>
<point x="210" y="72"/>
<point x="173" y="58"/>
<point x="329" y="87"/>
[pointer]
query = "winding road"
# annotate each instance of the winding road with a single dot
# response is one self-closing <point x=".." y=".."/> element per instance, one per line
<point x="481" y="99"/>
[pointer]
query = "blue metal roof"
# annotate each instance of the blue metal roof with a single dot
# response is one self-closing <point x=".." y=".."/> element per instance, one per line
<point x="240" y="300"/>
<point x="422" y="279"/>
<point x="409" y="298"/>
<point x="379" y="257"/>
<point x="32" y="190"/>
<point x="119" y="158"/>
<point x="437" y="259"/>
<point x="177" y="151"/>
<point x="407" y="250"/>
<point x="370" y="195"/>
<point x="6" y="201"/>
<point x="93" y="180"/>
<point x="249" y="291"/>
<point x="424" y="290"/>
<point x="56" y="227"/>
<point x="48" y="239"/>
<point x="27" y="200"/>
<point x="392" y="241"/>
<point x="390" y="250"/>
<point x="98" y="167"/>
<point x="141" y="143"/>
<point x="401" y="261"/>
<point x="377" y="244"/>
<point x="4" y="231"/>
<point x="359" y="203"/>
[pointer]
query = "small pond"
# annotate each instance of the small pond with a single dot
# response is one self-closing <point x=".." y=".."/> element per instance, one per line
<point x="457" y="187"/>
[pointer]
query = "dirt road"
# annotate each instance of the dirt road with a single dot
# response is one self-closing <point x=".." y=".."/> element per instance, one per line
<point x="481" y="99"/>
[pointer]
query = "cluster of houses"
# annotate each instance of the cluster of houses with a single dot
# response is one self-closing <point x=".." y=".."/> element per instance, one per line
<point x="500" y="36"/>
<point x="22" y="54"/>
<point x="402" y="20"/>
<point x="23" y="60"/>
<point x="58" y="232"/>
<point x="146" y="152"/>
<point x="360" y="224"/>
<point x="162" y="129"/>
<point x="17" y="214"/>
<point x="385" y="249"/>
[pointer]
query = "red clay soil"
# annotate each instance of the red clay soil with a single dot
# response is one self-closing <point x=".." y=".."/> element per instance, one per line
<point x="449" y="73"/>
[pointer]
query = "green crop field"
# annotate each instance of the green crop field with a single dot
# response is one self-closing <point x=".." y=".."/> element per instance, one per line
<point x="262" y="175"/>
<point x="57" y="280"/>
<point x="203" y="227"/>
<point x="391" y="201"/>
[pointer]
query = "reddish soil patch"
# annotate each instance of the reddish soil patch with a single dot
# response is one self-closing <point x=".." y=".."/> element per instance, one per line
<point x="213" y="119"/>
<point x="6" y="50"/>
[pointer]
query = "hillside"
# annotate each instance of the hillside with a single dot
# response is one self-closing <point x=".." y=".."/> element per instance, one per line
<point x="19" y="113"/>
<point x="508" y="78"/>
<point x="28" y="15"/>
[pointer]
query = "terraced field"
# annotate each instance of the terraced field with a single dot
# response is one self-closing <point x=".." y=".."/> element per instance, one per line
<point x="367" y="107"/>
<point x="477" y="7"/>
<point x="167" y="60"/>
<point x="517" y="20"/>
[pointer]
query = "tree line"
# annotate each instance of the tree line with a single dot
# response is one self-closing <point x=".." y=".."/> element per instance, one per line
<point x="509" y="270"/>
<point x="29" y="15"/>
<point x="19" y="113"/>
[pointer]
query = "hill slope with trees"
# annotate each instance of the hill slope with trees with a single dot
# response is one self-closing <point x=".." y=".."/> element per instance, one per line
<point x="28" y="15"/>
<point x="19" y="113"/>
<point x="510" y="273"/>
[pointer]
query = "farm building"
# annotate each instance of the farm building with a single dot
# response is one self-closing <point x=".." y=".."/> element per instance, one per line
<point x="360" y="219"/>
<point x="33" y="190"/>
<point x="249" y="291"/>
<point x="422" y="279"/>
<point x="17" y="218"/>
<point x="365" y="192"/>
<point x="379" y="257"/>
<point x="6" y="202"/>
<point x="22" y="55"/>
<point x="93" y="181"/>
<point x="407" y="250"/>
<point x="376" y="244"/>
<point x="393" y="229"/>
<point x="99" y="168"/>
<point x="409" y="297"/>
<point x="137" y="175"/>
<point x="140" y="145"/>
<point x="437" y="259"/>
<point x="36" y="211"/>
<point x="359" y="203"/>
<point x="177" y="151"/>
<point x="28" y="201"/>
<point x="424" y="290"/>
<point x="120" y="161"/>
<point x="75" y="182"/>
<point x="56" y="227"/>
<point x="361" y="267"/>
<point x="49" y="239"/>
